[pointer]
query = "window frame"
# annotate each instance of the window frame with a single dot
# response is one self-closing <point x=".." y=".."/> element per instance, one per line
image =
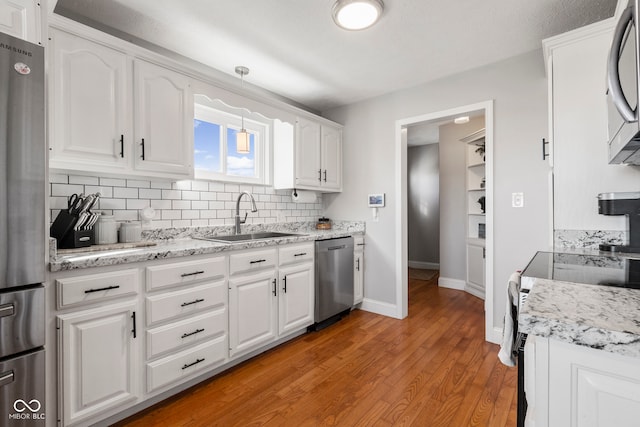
<point x="227" y="117"/>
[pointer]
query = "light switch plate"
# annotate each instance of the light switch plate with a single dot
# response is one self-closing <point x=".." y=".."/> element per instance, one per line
<point x="517" y="200"/>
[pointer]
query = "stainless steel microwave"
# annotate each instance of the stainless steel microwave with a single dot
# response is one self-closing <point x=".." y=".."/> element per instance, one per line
<point x="623" y="95"/>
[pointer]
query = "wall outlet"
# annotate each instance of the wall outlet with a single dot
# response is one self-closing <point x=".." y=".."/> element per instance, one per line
<point x="517" y="200"/>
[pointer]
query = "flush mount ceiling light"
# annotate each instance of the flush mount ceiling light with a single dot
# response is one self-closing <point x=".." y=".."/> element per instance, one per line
<point x="242" y="137"/>
<point x="357" y="14"/>
<point x="460" y="120"/>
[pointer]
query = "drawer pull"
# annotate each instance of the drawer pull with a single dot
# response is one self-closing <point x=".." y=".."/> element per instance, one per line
<point x="300" y="254"/>
<point x="257" y="261"/>
<point x="192" y="274"/>
<point x="191" y="364"/>
<point x="108" y="288"/>
<point x="184" y="304"/>
<point x="134" y="331"/>
<point x="6" y="378"/>
<point x="7" y="310"/>
<point x="197" y="331"/>
<point x="275" y="292"/>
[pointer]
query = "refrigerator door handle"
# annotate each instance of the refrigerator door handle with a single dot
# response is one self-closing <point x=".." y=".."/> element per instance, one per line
<point x="6" y="378"/>
<point x="7" y="310"/>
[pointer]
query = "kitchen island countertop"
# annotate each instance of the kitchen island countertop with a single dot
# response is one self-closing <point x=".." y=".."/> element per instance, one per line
<point x="601" y="317"/>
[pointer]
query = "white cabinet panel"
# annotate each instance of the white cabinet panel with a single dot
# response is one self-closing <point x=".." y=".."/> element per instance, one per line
<point x="91" y="105"/>
<point x="331" y="158"/>
<point x="253" y="306"/>
<point x="296" y="298"/>
<point x="185" y="272"/>
<point x="307" y="166"/>
<point x="21" y="18"/>
<point x="475" y="270"/>
<point x="358" y="269"/>
<point x="99" y="358"/>
<point x="96" y="287"/>
<point x="164" y="120"/>
<point x="185" y="301"/>
<point x="247" y="261"/>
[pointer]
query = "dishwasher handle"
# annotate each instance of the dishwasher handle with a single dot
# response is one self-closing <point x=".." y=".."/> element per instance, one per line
<point x="335" y="248"/>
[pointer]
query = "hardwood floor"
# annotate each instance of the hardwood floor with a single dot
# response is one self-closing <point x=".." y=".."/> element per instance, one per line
<point x="431" y="369"/>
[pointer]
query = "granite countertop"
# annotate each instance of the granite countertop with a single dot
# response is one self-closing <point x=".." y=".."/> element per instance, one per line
<point x="601" y="317"/>
<point x="175" y="243"/>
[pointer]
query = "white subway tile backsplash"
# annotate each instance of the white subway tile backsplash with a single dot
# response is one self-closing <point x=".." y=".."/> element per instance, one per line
<point x="138" y="184"/>
<point x="172" y="194"/>
<point x="66" y="189"/>
<point x="113" y="182"/>
<point x="182" y="203"/>
<point x="84" y="180"/>
<point x="125" y="193"/>
<point x="150" y="193"/>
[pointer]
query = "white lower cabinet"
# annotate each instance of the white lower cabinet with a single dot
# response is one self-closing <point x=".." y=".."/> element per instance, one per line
<point x="270" y="303"/>
<point x="296" y="298"/>
<point x="98" y="360"/>
<point x="253" y="306"/>
<point x="475" y="269"/>
<point x="580" y="386"/>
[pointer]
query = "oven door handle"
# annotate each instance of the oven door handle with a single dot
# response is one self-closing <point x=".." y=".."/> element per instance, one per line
<point x="613" y="76"/>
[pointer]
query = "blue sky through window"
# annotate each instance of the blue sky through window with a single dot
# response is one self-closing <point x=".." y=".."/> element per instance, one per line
<point x="206" y="140"/>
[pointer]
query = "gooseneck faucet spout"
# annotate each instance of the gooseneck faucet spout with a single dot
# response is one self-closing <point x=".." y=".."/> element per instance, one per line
<point x="253" y="209"/>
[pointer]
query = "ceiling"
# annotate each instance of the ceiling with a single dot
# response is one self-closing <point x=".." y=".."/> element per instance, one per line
<point x="294" y="49"/>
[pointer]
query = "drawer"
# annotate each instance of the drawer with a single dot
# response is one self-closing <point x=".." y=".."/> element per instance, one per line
<point x="186" y="332"/>
<point x="95" y="287"/>
<point x="186" y="301"/>
<point x="296" y="253"/>
<point x="358" y="243"/>
<point x="185" y="272"/>
<point x="252" y="261"/>
<point x="183" y="365"/>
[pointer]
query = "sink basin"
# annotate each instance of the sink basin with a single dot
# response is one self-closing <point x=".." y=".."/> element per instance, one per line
<point x="247" y="237"/>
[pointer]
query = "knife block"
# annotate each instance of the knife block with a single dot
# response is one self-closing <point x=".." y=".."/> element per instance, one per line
<point x="62" y="230"/>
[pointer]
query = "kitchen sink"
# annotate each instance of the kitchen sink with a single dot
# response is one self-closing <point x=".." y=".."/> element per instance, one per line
<point x="234" y="238"/>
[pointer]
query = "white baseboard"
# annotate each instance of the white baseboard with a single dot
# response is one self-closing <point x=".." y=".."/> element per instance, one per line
<point x="422" y="265"/>
<point x="446" y="282"/>
<point x="379" y="307"/>
<point x="476" y="291"/>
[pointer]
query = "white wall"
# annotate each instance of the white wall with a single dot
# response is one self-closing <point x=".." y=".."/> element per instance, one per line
<point x="519" y="88"/>
<point x="423" y="205"/>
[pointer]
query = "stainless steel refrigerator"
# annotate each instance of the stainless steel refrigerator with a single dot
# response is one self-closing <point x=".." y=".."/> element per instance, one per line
<point x="22" y="232"/>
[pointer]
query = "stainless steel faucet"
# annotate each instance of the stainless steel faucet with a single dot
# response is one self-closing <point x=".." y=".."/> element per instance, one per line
<point x="253" y="209"/>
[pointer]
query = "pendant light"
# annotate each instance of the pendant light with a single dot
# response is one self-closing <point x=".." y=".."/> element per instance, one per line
<point x="357" y="14"/>
<point x="243" y="145"/>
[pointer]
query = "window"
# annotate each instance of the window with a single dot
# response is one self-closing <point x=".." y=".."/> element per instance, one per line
<point x="215" y="156"/>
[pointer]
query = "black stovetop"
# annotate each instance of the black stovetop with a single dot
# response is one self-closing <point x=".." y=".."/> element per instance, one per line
<point x="595" y="269"/>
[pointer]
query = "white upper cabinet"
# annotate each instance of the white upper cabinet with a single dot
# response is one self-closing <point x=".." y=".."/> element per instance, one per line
<point x="112" y="113"/>
<point x="90" y="105"/>
<point x="311" y="159"/>
<point x="21" y="18"/>
<point x="164" y="120"/>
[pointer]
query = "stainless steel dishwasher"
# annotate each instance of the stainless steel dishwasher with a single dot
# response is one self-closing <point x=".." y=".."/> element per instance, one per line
<point x="334" y="280"/>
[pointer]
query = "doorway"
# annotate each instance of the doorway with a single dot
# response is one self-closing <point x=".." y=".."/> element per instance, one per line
<point x="402" y="229"/>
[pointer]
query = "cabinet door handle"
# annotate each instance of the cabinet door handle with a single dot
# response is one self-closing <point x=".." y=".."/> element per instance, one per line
<point x="122" y="146"/>
<point x="135" y="329"/>
<point x="544" y="151"/>
<point x="191" y="364"/>
<point x="325" y="175"/>
<point x="142" y="144"/>
<point x="358" y="264"/>
<point x="257" y="261"/>
<point x="184" y="304"/>
<point x="320" y="175"/>
<point x="188" y="334"/>
<point x="300" y="254"/>
<point x="192" y="274"/>
<point x="107" y="288"/>
<point x="284" y="279"/>
<point x="275" y="292"/>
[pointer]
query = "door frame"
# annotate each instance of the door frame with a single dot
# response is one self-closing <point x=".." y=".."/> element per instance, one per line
<point x="401" y="244"/>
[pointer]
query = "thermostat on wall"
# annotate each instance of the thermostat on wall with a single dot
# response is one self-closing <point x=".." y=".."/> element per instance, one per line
<point x="376" y="200"/>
